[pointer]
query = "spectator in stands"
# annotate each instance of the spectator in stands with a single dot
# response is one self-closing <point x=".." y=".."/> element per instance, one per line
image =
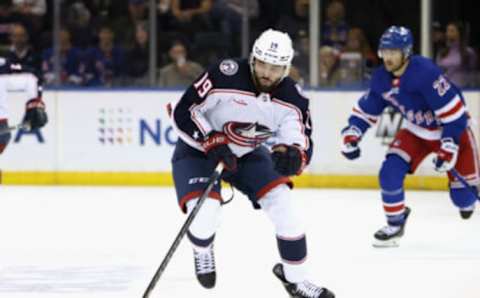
<point x="228" y="13"/>
<point x="180" y="72"/>
<point x="106" y="62"/>
<point x="33" y="10"/>
<point x="356" y="59"/>
<point x="457" y="59"/>
<point x="21" y="50"/>
<point x="191" y="16"/>
<point x="357" y="43"/>
<point x="296" y="76"/>
<point x="328" y="74"/>
<point x="137" y="14"/>
<point x="164" y="15"/>
<point x="302" y="55"/>
<point x="6" y="20"/>
<point x="78" y="21"/>
<point x="335" y="29"/>
<point x="72" y="65"/>
<point x="438" y="38"/>
<point x="137" y="58"/>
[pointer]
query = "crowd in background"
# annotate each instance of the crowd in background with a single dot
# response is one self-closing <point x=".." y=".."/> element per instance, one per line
<point x="106" y="42"/>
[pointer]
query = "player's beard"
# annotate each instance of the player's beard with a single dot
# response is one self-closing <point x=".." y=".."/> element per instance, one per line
<point x="261" y="87"/>
<point x="394" y="69"/>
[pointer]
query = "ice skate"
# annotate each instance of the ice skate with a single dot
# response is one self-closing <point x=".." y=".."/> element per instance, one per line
<point x="467" y="212"/>
<point x="205" y="266"/>
<point x="303" y="289"/>
<point x="389" y="236"/>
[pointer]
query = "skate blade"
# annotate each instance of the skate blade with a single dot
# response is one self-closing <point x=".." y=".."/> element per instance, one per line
<point x="386" y="243"/>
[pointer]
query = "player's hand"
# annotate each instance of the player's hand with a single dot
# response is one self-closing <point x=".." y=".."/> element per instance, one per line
<point x="351" y="136"/>
<point x="216" y="148"/>
<point x="289" y="160"/>
<point x="447" y="155"/>
<point x="35" y="115"/>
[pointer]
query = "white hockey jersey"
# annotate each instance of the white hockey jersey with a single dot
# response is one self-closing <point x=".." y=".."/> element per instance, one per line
<point x="17" y="82"/>
<point x="225" y="99"/>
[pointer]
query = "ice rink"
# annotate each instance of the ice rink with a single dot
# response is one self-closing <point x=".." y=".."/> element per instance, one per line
<point x="100" y="242"/>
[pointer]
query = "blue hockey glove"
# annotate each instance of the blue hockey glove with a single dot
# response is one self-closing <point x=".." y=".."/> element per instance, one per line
<point x="351" y="136"/>
<point x="289" y="160"/>
<point x="216" y="148"/>
<point x="447" y="155"/>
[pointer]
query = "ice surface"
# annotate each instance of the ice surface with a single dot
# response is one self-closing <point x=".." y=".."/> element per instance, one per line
<point x="100" y="242"/>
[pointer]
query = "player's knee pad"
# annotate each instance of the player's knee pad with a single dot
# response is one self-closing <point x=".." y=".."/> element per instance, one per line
<point x="278" y="206"/>
<point x="392" y="172"/>
<point x="462" y="197"/>
<point x="206" y="221"/>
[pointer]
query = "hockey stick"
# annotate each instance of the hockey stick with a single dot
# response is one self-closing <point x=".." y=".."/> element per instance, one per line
<point x="465" y="183"/>
<point x="211" y="182"/>
<point x="12" y="128"/>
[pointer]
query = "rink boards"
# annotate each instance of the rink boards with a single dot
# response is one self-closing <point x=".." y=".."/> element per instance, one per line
<point x="124" y="137"/>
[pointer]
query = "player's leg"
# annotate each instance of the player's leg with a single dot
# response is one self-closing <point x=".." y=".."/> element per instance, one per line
<point x="468" y="167"/>
<point x="191" y="171"/>
<point x="404" y="155"/>
<point x="4" y="138"/>
<point x="257" y="178"/>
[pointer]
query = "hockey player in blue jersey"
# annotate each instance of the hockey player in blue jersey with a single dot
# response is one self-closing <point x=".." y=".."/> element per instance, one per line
<point x="435" y="121"/>
<point x="226" y="116"/>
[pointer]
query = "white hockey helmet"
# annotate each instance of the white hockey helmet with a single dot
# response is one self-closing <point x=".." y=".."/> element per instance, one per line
<point x="273" y="47"/>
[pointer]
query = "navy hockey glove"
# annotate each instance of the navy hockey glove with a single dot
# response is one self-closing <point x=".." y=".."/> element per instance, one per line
<point x="35" y="115"/>
<point x="351" y="137"/>
<point x="216" y="148"/>
<point x="288" y="160"/>
<point x="446" y="156"/>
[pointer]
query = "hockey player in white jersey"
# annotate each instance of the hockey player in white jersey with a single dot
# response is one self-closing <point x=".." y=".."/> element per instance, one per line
<point x="14" y="77"/>
<point x="226" y="116"/>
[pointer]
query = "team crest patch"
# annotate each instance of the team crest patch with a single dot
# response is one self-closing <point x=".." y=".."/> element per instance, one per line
<point x="229" y="67"/>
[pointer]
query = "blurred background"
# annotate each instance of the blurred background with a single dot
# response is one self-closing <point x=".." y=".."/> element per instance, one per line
<point x="167" y="43"/>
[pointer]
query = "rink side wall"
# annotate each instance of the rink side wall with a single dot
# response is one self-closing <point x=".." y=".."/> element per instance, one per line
<point x="124" y="137"/>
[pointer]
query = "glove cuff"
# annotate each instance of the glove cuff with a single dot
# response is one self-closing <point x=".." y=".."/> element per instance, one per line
<point x="213" y="140"/>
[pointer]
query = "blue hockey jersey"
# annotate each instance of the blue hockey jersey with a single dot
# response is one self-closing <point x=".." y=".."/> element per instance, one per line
<point x="431" y="105"/>
<point x="224" y="98"/>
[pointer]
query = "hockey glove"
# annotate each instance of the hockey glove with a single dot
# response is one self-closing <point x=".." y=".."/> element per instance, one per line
<point x="351" y="137"/>
<point x="35" y="115"/>
<point x="216" y="148"/>
<point x="288" y="160"/>
<point x="446" y="156"/>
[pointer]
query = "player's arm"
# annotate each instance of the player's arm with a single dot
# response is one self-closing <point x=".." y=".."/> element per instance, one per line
<point x="364" y="114"/>
<point x="35" y="115"/>
<point x="294" y="147"/>
<point x="449" y="108"/>
<point x="195" y="129"/>
<point x="189" y="113"/>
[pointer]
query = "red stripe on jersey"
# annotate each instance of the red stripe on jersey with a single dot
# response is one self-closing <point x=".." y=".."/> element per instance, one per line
<point x="453" y="110"/>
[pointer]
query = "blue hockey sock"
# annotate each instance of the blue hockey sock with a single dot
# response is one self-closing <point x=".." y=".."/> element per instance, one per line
<point x="392" y="174"/>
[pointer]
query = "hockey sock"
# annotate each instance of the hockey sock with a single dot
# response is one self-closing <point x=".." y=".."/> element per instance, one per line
<point x="462" y="197"/>
<point x="202" y="230"/>
<point x="392" y="175"/>
<point x="278" y="206"/>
